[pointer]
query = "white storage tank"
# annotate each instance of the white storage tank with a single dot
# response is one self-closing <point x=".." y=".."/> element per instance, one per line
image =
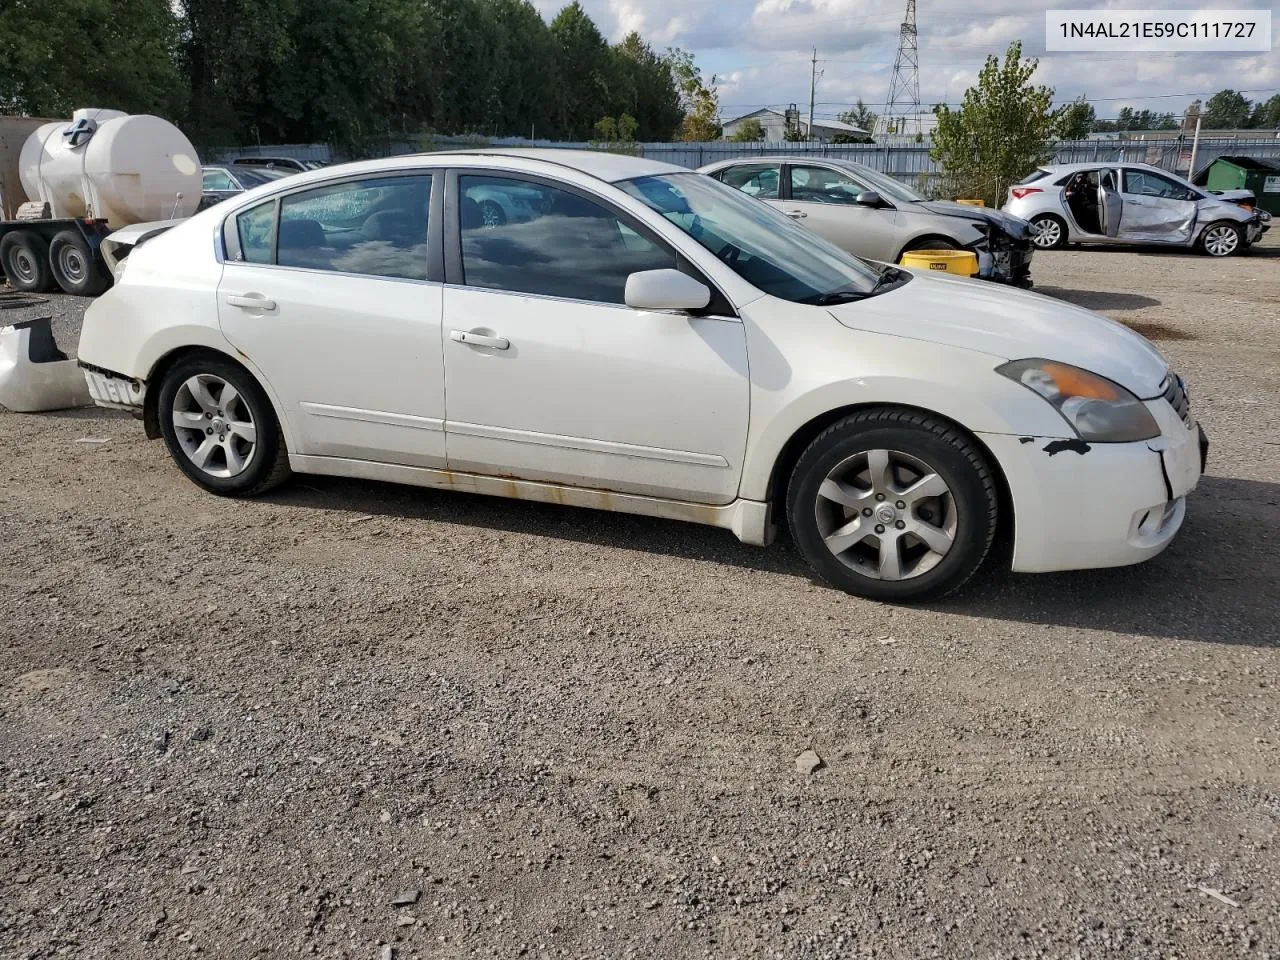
<point x="112" y="166"/>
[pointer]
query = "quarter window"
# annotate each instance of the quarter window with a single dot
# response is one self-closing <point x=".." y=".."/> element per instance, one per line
<point x="256" y="231"/>
<point x="375" y="227"/>
<point x="218" y="180"/>
<point x="759" y="180"/>
<point x="821" y="185"/>
<point x="529" y="238"/>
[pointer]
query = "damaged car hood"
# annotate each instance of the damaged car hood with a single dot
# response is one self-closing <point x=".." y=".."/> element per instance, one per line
<point x="1014" y="226"/>
<point x="1012" y="325"/>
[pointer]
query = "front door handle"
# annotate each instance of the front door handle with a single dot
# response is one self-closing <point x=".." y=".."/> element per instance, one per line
<point x="479" y="339"/>
<point x="253" y="301"/>
<point x="796" y="214"/>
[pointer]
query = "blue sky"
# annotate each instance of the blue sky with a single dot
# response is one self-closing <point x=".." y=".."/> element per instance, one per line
<point x="760" y="50"/>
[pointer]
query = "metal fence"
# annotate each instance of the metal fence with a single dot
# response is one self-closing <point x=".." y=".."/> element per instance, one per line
<point x="904" y="159"/>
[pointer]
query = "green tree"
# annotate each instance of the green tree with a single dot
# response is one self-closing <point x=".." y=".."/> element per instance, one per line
<point x="645" y="88"/>
<point x="860" y="116"/>
<point x="1003" y="129"/>
<point x="700" y="101"/>
<point x="584" y="70"/>
<point x="1076" y="120"/>
<point x="1266" y="115"/>
<point x="59" y="55"/>
<point x="749" y="131"/>
<point x="1226" y="110"/>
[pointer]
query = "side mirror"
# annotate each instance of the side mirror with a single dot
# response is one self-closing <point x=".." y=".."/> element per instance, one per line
<point x="869" y="198"/>
<point x="665" y="290"/>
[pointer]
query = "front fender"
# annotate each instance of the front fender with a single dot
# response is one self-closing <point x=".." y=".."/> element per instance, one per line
<point x="805" y="364"/>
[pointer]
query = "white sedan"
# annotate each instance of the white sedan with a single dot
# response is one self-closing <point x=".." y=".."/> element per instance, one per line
<point x="646" y="340"/>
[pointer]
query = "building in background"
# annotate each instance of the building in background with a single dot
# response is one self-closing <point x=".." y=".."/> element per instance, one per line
<point x="773" y="120"/>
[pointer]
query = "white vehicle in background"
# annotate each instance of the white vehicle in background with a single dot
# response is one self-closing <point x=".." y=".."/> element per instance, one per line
<point x="652" y="342"/>
<point x="1132" y="203"/>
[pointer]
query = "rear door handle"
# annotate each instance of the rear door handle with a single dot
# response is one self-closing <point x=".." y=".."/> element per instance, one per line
<point x="479" y="339"/>
<point x="254" y="301"/>
<point x="796" y="214"/>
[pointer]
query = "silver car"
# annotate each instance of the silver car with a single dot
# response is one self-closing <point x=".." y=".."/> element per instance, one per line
<point x="872" y="215"/>
<point x="1132" y="203"/>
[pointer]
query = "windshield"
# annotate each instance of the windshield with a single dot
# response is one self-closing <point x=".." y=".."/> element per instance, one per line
<point x="767" y="249"/>
<point x="882" y="183"/>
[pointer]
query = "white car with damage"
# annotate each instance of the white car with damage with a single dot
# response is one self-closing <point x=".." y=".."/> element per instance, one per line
<point x="647" y="341"/>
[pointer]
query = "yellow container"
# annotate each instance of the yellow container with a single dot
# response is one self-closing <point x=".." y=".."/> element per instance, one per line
<point x="971" y="203"/>
<point x="961" y="262"/>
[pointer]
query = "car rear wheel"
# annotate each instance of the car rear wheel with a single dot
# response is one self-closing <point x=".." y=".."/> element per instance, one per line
<point x="25" y="256"/>
<point x="1051" y="232"/>
<point x="75" y="265"/>
<point x="893" y="505"/>
<point x="220" y="428"/>
<point x="1221" y="239"/>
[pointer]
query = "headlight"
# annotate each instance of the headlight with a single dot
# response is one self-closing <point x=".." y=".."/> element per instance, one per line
<point x="1097" y="409"/>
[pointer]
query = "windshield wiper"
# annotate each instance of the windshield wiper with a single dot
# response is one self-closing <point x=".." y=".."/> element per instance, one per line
<point x="889" y="277"/>
<point x="835" y="297"/>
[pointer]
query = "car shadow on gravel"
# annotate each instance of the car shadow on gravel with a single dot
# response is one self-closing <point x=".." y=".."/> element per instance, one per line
<point x="1210" y="586"/>
<point x="1100" y="299"/>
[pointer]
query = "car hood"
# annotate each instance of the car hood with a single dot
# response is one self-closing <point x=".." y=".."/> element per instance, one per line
<point x="1012" y="325"/>
<point x="1014" y="226"/>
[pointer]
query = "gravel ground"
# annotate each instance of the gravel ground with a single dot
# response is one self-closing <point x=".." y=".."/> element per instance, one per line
<point x="358" y="720"/>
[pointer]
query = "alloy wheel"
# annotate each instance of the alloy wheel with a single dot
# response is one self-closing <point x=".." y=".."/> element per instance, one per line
<point x="886" y="515"/>
<point x="214" y="426"/>
<point x="1221" y="241"/>
<point x="1048" y="233"/>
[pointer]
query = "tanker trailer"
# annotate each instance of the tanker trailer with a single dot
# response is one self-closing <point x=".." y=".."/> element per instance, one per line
<point x="78" y="182"/>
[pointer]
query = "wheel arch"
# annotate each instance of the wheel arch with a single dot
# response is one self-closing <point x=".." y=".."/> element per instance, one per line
<point x="918" y="242"/>
<point x="151" y="403"/>
<point x="796" y="444"/>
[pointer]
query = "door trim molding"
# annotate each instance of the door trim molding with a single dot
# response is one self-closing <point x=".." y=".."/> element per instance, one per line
<point x="372" y="416"/>
<point x="586" y="444"/>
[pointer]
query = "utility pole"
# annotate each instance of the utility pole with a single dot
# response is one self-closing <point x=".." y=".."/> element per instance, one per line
<point x="813" y="86"/>
<point x="1195" y="148"/>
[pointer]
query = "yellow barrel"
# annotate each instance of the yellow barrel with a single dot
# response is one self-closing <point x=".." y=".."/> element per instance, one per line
<point x="961" y="262"/>
<point x="971" y="203"/>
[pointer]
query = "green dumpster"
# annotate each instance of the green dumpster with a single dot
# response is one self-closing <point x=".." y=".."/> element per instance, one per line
<point x="1248" y="173"/>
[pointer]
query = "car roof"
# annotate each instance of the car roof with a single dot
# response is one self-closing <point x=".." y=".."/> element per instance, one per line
<point x="1095" y="164"/>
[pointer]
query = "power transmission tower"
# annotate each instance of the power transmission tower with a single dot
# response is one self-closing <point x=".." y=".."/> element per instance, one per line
<point x="904" y="88"/>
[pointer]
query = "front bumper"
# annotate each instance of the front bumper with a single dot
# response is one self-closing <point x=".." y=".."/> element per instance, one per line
<point x="1080" y="506"/>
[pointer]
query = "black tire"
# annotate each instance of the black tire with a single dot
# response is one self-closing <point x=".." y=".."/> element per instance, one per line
<point x="953" y="456"/>
<point x="75" y="265"/>
<point x="1061" y="242"/>
<point x="268" y="464"/>
<point x="1208" y="246"/>
<point x="492" y="215"/>
<point x="25" y="256"/>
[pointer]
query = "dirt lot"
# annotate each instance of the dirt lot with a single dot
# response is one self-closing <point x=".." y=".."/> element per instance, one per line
<point x="243" y="729"/>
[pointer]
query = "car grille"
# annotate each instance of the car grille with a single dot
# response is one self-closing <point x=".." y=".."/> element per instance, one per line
<point x="1175" y="392"/>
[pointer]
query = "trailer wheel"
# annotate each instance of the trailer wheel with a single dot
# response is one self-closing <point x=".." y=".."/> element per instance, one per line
<point x="25" y="257"/>
<point x="75" y="265"/>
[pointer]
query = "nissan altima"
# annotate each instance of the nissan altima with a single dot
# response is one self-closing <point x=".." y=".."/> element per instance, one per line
<point x="646" y="340"/>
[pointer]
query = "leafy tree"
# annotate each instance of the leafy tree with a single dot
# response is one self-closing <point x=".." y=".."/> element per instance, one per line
<point x="1076" y="120"/>
<point x="616" y="134"/>
<point x="1226" y="110"/>
<point x="1003" y="129"/>
<point x="584" y="69"/>
<point x="860" y="116"/>
<point x="749" y="131"/>
<point x="700" y="101"/>
<point x="59" y="55"/>
<point x="1266" y="115"/>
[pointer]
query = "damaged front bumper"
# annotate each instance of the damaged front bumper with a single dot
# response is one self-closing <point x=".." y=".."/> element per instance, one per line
<point x="1083" y="505"/>
<point x="1005" y="259"/>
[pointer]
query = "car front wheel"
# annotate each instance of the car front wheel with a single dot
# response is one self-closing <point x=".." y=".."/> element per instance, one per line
<point x="893" y="505"/>
<point x="1221" y="239"/>
<point x="220" y="428"/>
